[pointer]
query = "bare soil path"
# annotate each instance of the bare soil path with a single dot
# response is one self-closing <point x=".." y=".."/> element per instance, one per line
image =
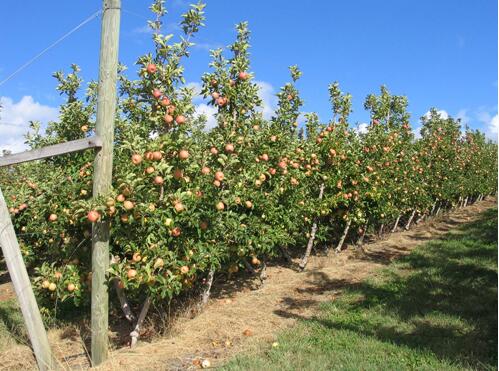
<point x="237" y="319"/>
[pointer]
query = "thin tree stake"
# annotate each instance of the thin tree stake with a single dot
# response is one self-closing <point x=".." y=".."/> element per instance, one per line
<point x="136" y="331"/>
<point x="396" y="224"/>
<point x="310" y="243"/>
<point x="408" y="225"/>
<point x="343" y="236"/>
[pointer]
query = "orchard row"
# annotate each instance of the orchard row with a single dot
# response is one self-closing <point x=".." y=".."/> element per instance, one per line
<point x="189" y="202"/>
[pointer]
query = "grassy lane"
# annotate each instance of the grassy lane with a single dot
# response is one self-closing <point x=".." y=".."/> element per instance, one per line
<point x="435" y="309"/>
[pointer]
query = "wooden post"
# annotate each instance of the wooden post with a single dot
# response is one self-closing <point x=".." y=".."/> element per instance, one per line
<point x="103" y="165"/>
<point x="24" y="292"/>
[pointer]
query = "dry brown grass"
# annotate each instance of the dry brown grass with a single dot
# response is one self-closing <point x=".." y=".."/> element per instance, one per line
<point x="236" y="306"/>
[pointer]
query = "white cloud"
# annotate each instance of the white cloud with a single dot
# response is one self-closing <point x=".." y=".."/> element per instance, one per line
<point x="207" y="46"/>
<point x="417" y="132"/>
<point x="442" y="113"/>
<point x="269" y="100"/>
<point x="15" y="118"/>
<point x="361" y="128"/>
<point x="143" y="30"/>
<point x="462" y="115"/>
<point x="491" y="124"/>
<point x="209" y="112"/>
<point x="196" y="87"/>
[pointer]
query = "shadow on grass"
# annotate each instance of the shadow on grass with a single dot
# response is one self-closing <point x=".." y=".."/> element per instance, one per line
<point x="442" y="298"/>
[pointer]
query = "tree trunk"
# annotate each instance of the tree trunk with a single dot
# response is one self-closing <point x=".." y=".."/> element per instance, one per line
<point x="136" y="331"/>
<point x="408" y="225"/>
<point x="249" y="267"/>
<point x="343" y="236"/>
<point x="465" y="202"/>
<point x="380" y="231"/>
<point x="263" y="273"/>
<point x="360" y="241"/>
<point x="207" y="290"/>
<point x="285" y="254"/>
<point x="438" y="209"/>
<point x="125" y="306"/>
<point x="310" y="243"/>
<point x="433" y="208"/>
<point x="396" y="224"/>
<point x="420" y="219"/>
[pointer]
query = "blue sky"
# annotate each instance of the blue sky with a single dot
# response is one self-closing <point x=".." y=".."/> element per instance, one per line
<point x="438" y="53"/>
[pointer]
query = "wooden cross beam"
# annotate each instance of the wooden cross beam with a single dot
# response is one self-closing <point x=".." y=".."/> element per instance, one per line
<point x="50" y="151"/>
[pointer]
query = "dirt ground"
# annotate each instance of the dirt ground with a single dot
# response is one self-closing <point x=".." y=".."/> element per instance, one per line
<point x="239" y="316"/>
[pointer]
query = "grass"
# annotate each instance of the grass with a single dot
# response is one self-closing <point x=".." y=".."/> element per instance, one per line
<point x="435" y="309"/>
<point x="12" y="329"/>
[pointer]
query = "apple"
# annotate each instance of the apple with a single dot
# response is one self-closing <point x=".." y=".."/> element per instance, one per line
<point x="178" y="174"/>
<point x="156" y="93"/>
<point x="136" y="159"/>
<point x="157" y="155"/>
<point x="203" y="225"/>
<point x="120" y="198"/>
<point x="219" y="176"/>
<point x="217" y="183"/>
<point x="84" y="128"/>
<point x="93" y="216"/>
<point x="150" y="170"/>
<point x="264" y="157"/>
<point x="215" y="95"/>
<point x="128" y="205"/>
<point x="205" y="170"/>
<point x="249" y="204"/>
<point x="213" y="151"/>
<point x="176" y="232"/>
<point x="272" y="171"/>
<point x="183" y="154"/>
<point x="179" y="206"/>
<point x="52" y="286"/>
<point x="131" y="273"/>
<point x="158" y="180"/>
<point x="220" y="206"/>
<point x="184" y="269"/>
<point x="180" y="119"/>
<point x="229" y="148"/>
<point x="71" y="287"/>
<point x="45" y="284"/>
<point x="168" y="118"/>
<point x="151" y="68"/>
<point x="149" y="156"/>
<point x="52" y="217"/>
<point x="243" y="75"/>
<point x="136" y="257"/>
<point x="222" y="101"/>
<point x="165" y="101"/>
<point x="158" y="263"/>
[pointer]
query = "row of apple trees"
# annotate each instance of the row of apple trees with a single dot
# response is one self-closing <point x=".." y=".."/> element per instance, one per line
<point x="189" y="202"/>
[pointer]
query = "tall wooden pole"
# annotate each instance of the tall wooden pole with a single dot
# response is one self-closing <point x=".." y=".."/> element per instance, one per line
<point x="24" y="292"/>
<point x="103" y="165"/>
